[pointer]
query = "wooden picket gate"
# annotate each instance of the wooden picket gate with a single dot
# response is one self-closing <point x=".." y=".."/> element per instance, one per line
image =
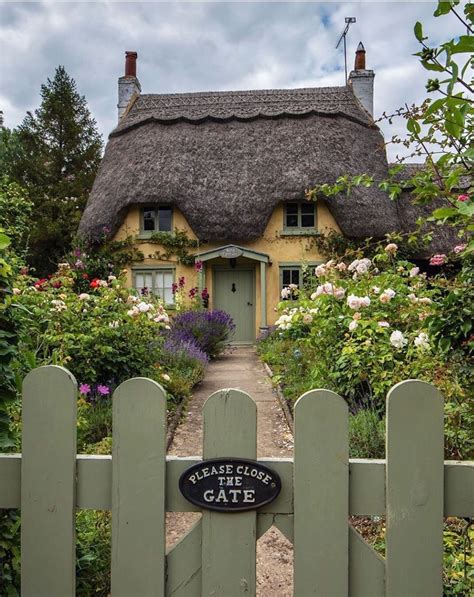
<point x="413" y="488"/>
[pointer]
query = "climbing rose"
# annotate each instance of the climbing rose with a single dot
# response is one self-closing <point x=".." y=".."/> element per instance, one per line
<point x="414" y="272"/>
<point x="397" y="339"/>
<point x="387" y="296"/>
<point x="391" y="248"/>
<point x="285" y="293"/>
<point x="438" y="259"/>
<point x="320" y="271"/>
<point x="463" y="198"/>
<point x="353" y="324"/>
<point x="383" y="324"/>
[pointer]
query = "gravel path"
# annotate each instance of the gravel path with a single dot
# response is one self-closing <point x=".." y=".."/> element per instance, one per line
<point x="241" y="369"/>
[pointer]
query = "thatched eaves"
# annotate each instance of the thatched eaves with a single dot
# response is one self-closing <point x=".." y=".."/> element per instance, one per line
<point x="226" y="159"/>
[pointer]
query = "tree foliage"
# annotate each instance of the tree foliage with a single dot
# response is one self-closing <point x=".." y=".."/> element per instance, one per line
<point x="54" y="154"/>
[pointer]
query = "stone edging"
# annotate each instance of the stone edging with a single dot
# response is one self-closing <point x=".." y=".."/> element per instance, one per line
<point x="174" y="422"/>
<point x="281" y="400"/>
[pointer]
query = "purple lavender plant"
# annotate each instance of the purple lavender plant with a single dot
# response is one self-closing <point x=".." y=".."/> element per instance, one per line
<point x="211" y="331"/>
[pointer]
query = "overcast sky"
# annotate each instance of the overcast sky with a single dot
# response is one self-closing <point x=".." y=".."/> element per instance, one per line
<point x="199" y="46"/>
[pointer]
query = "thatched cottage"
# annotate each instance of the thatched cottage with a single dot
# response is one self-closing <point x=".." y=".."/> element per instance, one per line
<point x="231" y="169"/>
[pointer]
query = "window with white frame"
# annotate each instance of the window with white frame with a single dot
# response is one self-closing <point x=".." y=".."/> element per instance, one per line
<point x="300" y="215"/>
<point x="156" y="218"/>
<point x="155" y="281"/>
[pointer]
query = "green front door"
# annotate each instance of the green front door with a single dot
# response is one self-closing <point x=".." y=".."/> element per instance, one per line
<point x="234" y="292"/>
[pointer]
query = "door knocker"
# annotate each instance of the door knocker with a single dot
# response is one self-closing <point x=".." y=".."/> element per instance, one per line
<point x="233" y="287"/>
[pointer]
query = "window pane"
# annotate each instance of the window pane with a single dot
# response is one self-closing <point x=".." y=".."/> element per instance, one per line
<point x="291" y="215"/>
<point x="307" y="221"/>
<point x="295" y="277"/>
<point x="167" y="279"/>
<point x="148" y="219"/>
<point x="168" y="296"/>
<point x="286" y="276"/>
<point x="164" y="219"/>
<point x="139" y="281"/>
<point x="307" y="208"/>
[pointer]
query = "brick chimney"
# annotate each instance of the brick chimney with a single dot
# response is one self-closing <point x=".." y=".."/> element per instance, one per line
<point x="361" y="81"/>
<point x="128" y="85"/>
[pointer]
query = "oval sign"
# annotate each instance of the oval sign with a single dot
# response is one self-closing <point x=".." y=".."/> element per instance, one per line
<point x="229" y="484"/>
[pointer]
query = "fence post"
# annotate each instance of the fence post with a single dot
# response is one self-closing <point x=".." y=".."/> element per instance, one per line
<point x="229" y="540"/>
<point x="138" y="489"/>
<point x="48" y="475"/>
<point x="321" y="495"/>
<point x="414" y="543"/>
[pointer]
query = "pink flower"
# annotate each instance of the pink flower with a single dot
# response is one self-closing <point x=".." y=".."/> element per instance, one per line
<point x="438" y="259"/>
<point x="103" y="390"/>
<point x="459" y="248"/>
<point x="84" y="389"/>
<point x="463" y="198"/>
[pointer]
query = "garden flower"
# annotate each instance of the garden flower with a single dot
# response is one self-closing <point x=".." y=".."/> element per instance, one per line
<point x="58" y="306"/>
<point x="391" y="248"/>
<point x="144" y="307"/>
<point x="397" y="339"/>
<point x="357" y="315"/>
<point x="365" y="301"/>
<point x="354" y="302"/>
<point x="16" y="291"/>
<point x="424" y="300"/>
<point x="383" y="324"/>
<point x="438" y="259"/>
<point x="320" y="271"/>
<point x="375" y="289"/>
<point x="293" y="286"/>
<point x="414" y="272"/>
<point x="84" y="296"/>
<point x="421" y="341"/>
<point x="412" y="298"/>
<point x="352" y="326"/>
<point x="307" y="318"/>
<point x="362" y="268"/>
<point x="112" y="278"/>
<point x="103" y="390"/>
<point x="166" y="377"/>
<point x="463" y="198"/>
<point x="341" y="267"/>
<point x="285" y="293"/>
<point x="198" y="266"/>
<point x="79" y="264"/>
<point x="133" y="312"/>
<point x="362" y="264"/>
<point x="84" y="389"/>
<point x="459" y="248"/>
<point x="387" y="295"/>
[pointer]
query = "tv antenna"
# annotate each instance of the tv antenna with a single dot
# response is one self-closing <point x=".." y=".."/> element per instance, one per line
<point x="349" y="21"/>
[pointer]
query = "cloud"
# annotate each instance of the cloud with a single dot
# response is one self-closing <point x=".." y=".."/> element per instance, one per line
<point x="207" y="46"/>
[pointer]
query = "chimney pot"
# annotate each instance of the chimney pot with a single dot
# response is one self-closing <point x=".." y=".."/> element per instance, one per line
<point x="131" y="64"/>
<point x="360" y="57"/>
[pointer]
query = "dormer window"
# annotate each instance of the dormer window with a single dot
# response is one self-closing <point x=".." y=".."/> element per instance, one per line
<point x="300" y="215"/>
<point x="156" y="218"/>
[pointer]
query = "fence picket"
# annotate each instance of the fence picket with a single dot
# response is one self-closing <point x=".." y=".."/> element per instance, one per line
<point x="138" y="489"/>
<point x="48" y="473"/>
<point x="321" y="495"/>
<point x="229" y="540"/>
<point x="414" y="543"/>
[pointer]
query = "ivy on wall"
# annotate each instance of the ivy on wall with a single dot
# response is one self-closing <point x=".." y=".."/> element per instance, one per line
<point x="175" y="244"/>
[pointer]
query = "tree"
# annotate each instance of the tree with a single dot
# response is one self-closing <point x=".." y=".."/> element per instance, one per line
<point x="440" y="130"/>
<point x="56" y="162"/>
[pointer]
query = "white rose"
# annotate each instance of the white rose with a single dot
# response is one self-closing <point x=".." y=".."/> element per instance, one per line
<point x="339" y="293"/>
<point x="375" y="289"/>
<point x="421" y="341"/>
<point x="365" y="301"/>
<point x="354" y="302"/>
<point x="353" y="324"/>
<point x="144" y="307"/>
<point x="84" y="296"/>
<point x="425" y="300"/>
<point x="285" y="293"/>
<point x="314" y="296"/>
<point x="16" y="291"/>
<point x="397" y="339"/>
<point x="320" y="271"/>
<point x="353" y="265"/>
<point x="341" y="267"/>
<point x="412" y="298"/>
<point x="383" y="324"/>
<point x="391" y="248"/>
<point x="307" y="318"/>
<point x="414" y="272"/>
<point x="166" y="377"/>
<point x="362" y="268"/>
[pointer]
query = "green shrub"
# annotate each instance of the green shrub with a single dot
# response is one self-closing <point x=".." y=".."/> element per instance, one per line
<point x="366" y="435"/>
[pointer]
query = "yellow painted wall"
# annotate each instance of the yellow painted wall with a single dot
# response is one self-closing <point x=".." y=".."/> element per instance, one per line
<point x="281" y="250"/>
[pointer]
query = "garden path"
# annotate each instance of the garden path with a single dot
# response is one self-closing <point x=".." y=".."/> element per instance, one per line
<point x="240" y="368"/>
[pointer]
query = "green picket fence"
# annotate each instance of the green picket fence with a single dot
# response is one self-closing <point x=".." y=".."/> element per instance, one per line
<point x="414" y="488"/>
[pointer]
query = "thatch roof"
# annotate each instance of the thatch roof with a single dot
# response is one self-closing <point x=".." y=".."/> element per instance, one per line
<point x="226" y="159"/>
